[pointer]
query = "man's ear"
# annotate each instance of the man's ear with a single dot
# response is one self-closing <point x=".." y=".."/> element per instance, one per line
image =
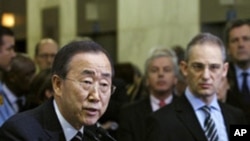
<point x="225" y="69"/>
<point x="57" y="85"/>
<point x="184" y="67"/>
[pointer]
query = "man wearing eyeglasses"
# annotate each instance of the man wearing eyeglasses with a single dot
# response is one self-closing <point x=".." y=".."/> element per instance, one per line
<point x="197" y="115"/>
<point x="82" y="81"/>
<point x="45" y="52"/>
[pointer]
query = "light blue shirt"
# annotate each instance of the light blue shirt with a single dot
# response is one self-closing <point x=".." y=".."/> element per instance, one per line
<point x="9" y="107"/>
<point x="197" y="104"/>
<point x="240" y="77"/>
<point x="68" y="130"/>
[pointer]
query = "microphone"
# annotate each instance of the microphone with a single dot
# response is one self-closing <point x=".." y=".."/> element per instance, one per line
<point x="91" y="135"/>
<point x="104" y="132"/>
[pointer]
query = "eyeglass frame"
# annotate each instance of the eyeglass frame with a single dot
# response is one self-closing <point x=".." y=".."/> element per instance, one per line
<point x="112" y="87"/>
<point x="46" y="55"/>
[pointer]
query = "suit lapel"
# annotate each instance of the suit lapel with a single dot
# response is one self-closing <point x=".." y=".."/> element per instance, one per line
<point x="187" y="116"/>
<point x="226" y="116"/>
<point x="51" y="123"/>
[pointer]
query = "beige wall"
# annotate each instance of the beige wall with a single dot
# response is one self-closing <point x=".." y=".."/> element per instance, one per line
<point x="67" y="21"/>
<point x="216" y="10"/>
<point x="144" y="24"/>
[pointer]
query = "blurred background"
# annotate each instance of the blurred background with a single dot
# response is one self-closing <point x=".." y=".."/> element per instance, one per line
<point x="128" y="29"/>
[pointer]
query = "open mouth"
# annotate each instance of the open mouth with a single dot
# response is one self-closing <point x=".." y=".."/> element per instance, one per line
<point x="91" y="111"/>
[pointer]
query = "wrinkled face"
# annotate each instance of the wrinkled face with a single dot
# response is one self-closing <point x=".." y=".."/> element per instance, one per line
<point x="46" y="55"/>
<point x="204" y="69"/>
<point x="161" y="76"/>
<point x="84" y="95"/>
<point x="7" y="52"/>
<point x="239" y="43"/>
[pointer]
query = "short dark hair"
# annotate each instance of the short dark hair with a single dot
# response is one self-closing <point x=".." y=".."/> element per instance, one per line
<point x="65" y="54"/>
<point x="203" y="38"/>
<point x="231" y="25"/>
<point x="5" y="31"/>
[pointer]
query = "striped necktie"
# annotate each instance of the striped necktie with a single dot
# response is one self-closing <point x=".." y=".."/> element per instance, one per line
<point x="77" y="137"/>
<point x="209" y="125"/>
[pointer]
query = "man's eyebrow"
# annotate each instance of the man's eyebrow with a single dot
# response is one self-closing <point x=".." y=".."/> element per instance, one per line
<point x="88" y="72"/>
<point x="107" y="75"/>
<point x="92" y="73"/>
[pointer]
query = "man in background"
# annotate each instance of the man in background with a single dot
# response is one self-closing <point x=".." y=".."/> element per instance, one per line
<point x="237" y="39"/>
<point x="161" y="71"/>
<point x="45" y="52"/>
<point x="197" y="115"/>
<point x="7" y="53"/>
<point x="16" y="85"/>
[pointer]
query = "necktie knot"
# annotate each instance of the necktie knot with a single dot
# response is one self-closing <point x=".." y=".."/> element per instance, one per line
<point x="162" y="103"/>
<point x="77" y="137"/>
<point x="206" y="109"/>
<point x="244" y="74"/>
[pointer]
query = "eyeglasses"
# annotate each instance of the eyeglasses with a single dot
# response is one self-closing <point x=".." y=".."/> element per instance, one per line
<point x="89" y="85"/>
<point x="45" y="56"/>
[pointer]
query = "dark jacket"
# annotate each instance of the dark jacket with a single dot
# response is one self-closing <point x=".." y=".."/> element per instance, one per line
<point x="178" y="122"/>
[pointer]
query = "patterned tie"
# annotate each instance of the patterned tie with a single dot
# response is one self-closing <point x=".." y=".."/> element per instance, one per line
<point x="77" y="137"/>
<point x="209" y="125"/>
<point x="162" y="103"/>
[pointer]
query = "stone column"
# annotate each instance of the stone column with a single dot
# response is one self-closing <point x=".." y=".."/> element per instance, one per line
<point x="144" y="24"/>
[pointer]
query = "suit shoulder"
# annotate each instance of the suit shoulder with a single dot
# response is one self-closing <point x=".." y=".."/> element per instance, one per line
<point x="136" y="105"/>
<point x="164" y="112"/>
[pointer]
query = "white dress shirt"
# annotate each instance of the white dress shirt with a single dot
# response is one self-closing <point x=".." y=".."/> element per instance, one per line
<point x="155" y="102"/>
<point x="68" y="130"/>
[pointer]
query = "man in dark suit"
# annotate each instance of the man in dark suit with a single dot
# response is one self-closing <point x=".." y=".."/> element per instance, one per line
<point x="82" y="83"/>
<point x="161" y="70"/>
<point x="237" y="39"/>
<point x="197" y="116"/>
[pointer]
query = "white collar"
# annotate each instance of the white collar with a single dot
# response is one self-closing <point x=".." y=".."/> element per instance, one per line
<point x="68" y="130"/>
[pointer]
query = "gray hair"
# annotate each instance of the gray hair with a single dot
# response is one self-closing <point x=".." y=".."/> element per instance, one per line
<point x="162" y="52"/>
<point x="203" y="38"/>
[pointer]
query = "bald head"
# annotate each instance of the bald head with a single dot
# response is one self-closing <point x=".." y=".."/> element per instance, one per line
<point x="45" y="52"/>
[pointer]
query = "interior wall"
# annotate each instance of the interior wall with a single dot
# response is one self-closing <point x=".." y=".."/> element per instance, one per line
<point x="98" y="20"/>
<point x="212" y="11"/>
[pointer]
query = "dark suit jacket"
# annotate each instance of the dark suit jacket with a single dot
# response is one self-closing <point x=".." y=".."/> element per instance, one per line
<point x="39" y="124"/>
<point x="234" y="96"/>
<point x="132" y="121"/>
<point x="178" y="122"/>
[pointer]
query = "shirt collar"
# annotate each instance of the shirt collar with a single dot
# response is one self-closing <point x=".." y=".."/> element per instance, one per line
<point x="197" y="103"/>
<point x="239" y="71"/>
<point x="155" y="102"/>
<point x="68" y="130"/>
